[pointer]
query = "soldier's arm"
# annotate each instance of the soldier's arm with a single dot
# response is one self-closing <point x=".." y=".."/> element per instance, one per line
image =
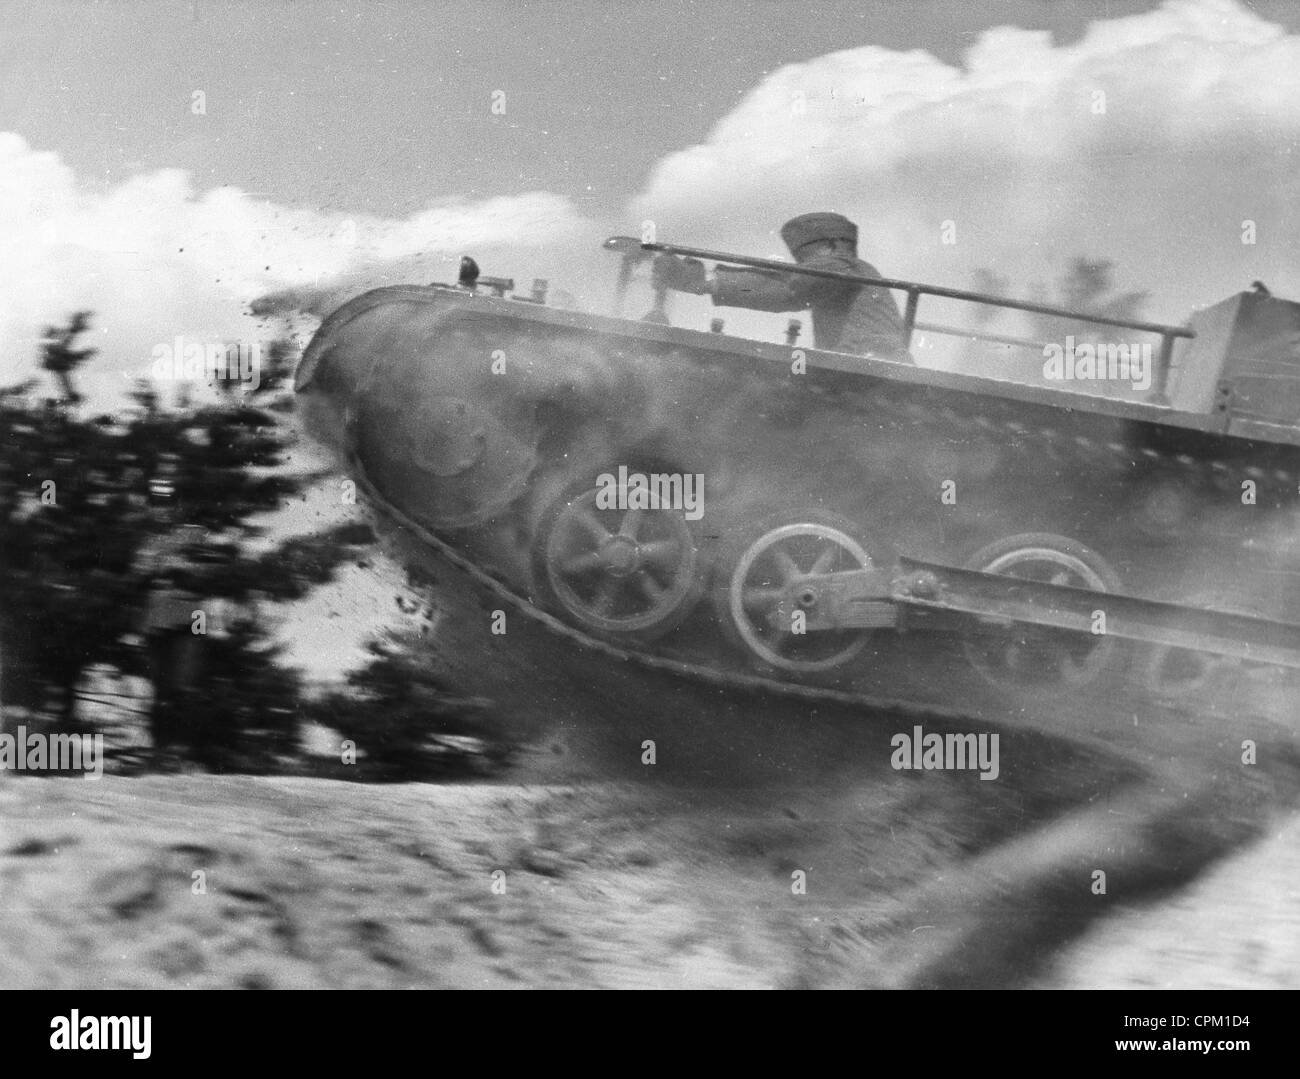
<point x="759" y="290"/>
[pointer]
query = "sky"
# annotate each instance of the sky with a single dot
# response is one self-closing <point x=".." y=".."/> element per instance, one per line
<point x="165" y="163"/>
<point x="379" y="107"/>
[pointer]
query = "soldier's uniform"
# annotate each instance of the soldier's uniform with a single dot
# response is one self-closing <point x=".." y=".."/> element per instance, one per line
<point x="860" y="319"/>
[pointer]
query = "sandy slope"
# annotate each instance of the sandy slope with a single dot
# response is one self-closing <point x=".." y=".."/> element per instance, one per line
<point x="326" y="883"/>
<point x="913" y="879"/>
<point x="1237" y="928"/>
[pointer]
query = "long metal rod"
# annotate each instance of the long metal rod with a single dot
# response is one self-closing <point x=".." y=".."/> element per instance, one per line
<point x="913" y="288"/>
<point x="975" y="335"/>
<point x="930" y="586"/>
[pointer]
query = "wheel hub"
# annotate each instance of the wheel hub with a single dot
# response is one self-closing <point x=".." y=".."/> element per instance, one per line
<point x="621" y="556"/>
<point x="775" y="576"/>
<point x="619" y="572"/>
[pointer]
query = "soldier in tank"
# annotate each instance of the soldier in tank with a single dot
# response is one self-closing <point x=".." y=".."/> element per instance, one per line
<point x="859" y="319"/>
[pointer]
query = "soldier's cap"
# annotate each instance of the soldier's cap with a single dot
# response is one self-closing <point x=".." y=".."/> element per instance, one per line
<point x="807" y="228"/>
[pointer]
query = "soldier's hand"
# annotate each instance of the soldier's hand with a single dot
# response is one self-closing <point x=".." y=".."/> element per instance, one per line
<point x="682" y="275"/>
<point x="665" y="272"/>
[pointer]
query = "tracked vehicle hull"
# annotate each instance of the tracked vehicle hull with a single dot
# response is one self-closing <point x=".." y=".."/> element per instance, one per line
<point x="491" y="425"/>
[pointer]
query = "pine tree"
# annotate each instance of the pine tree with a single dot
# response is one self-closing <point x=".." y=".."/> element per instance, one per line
<point x="86" y="506"/>
<point x="1088" y="286"/>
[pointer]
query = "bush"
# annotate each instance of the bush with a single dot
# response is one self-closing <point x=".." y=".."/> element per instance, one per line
<point x="100" y="513"/>
<point x="406" y="721"/>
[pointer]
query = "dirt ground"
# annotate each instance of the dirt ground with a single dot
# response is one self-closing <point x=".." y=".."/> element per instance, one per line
<point x="306" y="882"/>
<point x="1236" y="928"/>
<point x="202" y="881"/>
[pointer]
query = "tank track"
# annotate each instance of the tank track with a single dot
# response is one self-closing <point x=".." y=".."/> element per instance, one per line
<point x="735" y="680"/>
<point x="490" y="582"/>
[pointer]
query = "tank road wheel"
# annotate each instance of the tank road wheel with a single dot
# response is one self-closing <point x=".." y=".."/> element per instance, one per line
<point x="1039" y="660"/>
<point x="1177" y="674"/>
<point x="758" y="592"/>
<point x="626" y="574"/>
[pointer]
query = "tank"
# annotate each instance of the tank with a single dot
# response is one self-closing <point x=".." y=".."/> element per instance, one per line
<point x="764" y="509"/>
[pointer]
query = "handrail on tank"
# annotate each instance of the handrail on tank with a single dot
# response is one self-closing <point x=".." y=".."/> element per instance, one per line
<point x="979" y="335"/>
<point x="915" y="291"/>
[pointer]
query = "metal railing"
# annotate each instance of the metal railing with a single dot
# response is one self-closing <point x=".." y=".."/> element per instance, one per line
<point x="915" y="290"/>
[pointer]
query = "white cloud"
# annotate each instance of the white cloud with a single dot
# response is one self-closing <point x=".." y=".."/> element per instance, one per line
<point x="154" y="258"/>
<point x="1199" y="133"/>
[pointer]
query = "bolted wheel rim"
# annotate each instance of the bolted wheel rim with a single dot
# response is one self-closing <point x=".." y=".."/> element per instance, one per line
<point x="1174" y="673"/>
<point x="1026" y="657"/>
<point x="769" y="583"/>
<point x="621" y="571"/>
<point x="1180" y="672"/>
